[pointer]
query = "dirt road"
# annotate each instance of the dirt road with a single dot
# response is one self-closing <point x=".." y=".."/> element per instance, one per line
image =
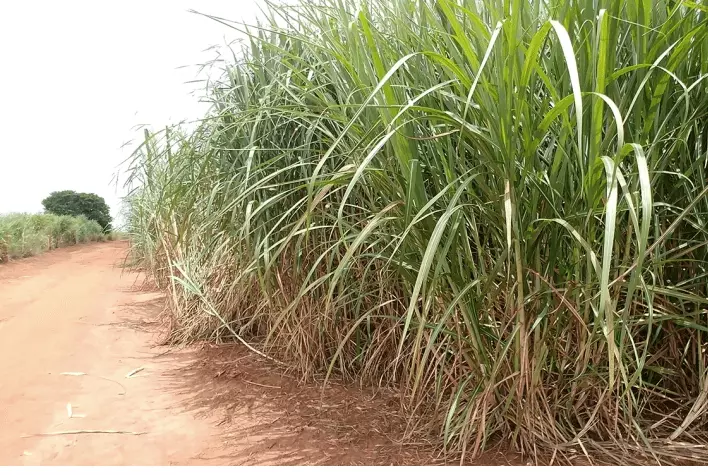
<point x="70" y="311"/>
<point x="73" y="327"/>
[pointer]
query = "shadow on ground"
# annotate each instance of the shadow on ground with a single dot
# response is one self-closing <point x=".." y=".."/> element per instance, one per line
<point x="266" y="417"/>
<point x="269" y="418"/>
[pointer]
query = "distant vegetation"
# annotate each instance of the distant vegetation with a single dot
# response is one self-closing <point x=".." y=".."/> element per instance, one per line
<point x="71" y="203"/>
<point x="24" y="235"/>
<point x="499" y="207"/>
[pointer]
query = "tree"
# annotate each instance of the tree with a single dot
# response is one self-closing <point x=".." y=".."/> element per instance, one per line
<point x="71" y="203"/>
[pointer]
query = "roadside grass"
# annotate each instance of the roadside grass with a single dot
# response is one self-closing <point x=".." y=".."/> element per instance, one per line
<point x="499" y="207"/>
<point x="24" y="234"/>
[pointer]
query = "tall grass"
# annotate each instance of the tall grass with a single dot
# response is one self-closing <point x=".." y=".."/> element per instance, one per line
<point x="498" y="206"/>
<point x="24" y="235"/>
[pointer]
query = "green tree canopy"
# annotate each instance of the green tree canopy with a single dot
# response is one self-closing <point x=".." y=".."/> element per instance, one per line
<point x="71" y="203"/>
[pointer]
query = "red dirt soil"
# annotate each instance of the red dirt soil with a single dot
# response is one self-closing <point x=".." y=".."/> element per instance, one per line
<point x="75" y="310"/>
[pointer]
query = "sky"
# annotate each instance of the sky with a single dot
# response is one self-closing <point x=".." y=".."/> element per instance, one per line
<point x="79" y="78"/>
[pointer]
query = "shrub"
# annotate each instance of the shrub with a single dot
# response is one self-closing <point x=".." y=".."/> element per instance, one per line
<point x="71" y="203"/>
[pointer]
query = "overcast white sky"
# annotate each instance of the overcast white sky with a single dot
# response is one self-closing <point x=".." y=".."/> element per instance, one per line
<point x="78" y="76"/>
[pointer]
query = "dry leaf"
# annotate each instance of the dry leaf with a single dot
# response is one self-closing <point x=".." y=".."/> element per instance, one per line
<point x="89" y="431"/>
<point x="134" y="372"/>
<point x="73" y="373"/>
